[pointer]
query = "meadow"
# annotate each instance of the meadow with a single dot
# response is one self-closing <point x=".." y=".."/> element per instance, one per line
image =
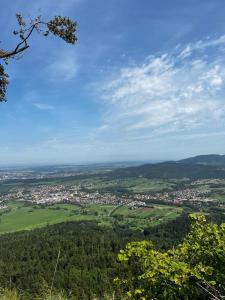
<point x="134" y="185"/>
<point x="219" y="197"/>
<point x="24" y="216"/>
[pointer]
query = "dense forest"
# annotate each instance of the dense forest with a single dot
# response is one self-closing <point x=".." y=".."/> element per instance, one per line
<point x="169" y="170"/>
<point x="88" y="257"/>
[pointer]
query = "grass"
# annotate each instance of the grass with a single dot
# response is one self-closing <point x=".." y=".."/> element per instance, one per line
<point x="102" y="210"/>
<point x="136" y="185"/>
<point x="21" y="216"/>
<point x="28" y="218"/>
<point x="12" y="294"/>
<point x="150" y="216"/>
<point x="219" y="197"/>
<point x="66" y="206"/>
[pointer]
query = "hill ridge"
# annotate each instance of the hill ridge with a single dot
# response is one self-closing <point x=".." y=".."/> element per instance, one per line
<point x="202" y="166"/>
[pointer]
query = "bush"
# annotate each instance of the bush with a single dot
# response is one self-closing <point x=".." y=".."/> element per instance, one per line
<point x="194" y="270"/>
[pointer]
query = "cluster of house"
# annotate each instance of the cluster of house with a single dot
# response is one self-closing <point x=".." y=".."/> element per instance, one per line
<point x="2" y="205"/>
<point x="135" y="204"/>
<point x="192" y="195"/>
<point x="30" y="174"/>
<point x="22" y="175"/>
<point x="208" y="182"/>
<point x="51" y="194"/>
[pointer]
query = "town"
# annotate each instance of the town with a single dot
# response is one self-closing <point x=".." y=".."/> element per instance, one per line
<point x="59" y="193"/>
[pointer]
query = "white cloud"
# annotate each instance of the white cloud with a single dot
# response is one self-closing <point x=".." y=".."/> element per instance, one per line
<point x="181" y="90"/>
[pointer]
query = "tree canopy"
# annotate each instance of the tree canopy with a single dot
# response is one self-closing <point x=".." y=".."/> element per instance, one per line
<point x="194" y="270"/>
<point x="62" y="27"/>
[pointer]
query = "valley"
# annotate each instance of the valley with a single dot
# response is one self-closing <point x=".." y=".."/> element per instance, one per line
<point x="136" y="202"/>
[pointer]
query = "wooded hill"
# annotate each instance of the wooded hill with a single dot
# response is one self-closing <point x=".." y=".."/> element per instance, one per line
<point x="200" y="167"/>
<point x="211" y="160"/>
<point x="88" y="257"/>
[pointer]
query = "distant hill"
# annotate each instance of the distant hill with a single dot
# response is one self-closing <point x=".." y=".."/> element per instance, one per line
<point x="212" y="159"/>
<point x="171" y="169"/>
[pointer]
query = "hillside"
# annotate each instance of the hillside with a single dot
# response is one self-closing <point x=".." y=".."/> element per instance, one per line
<point x="88" y="261"/>
<point x="168" y="170"/>
<point x="211" y="159"/>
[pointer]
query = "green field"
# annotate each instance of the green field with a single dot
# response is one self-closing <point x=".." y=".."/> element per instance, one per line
<point x="219" y="197"/>
<point x="136" y="185"/>
<point x="26" y="218"/>
<point x="148" y="215"/>
<point x="130" y="185"/>
<point x="22" y="216"/>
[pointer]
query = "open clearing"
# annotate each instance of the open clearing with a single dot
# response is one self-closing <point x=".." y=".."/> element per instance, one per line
<point x="23" y="216"/>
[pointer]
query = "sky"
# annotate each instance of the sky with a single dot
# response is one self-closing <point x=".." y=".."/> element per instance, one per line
<point x="145" y="81"/>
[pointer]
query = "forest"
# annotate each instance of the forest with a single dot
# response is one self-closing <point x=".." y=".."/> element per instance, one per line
<point x="88" y="257"/>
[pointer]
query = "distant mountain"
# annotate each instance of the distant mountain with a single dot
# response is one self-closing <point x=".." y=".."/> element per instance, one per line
<point x="211" y="159"/>
<point x="171" y="169"/>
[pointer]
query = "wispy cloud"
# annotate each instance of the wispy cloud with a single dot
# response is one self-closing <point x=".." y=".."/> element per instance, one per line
<point x="180" y="90"/>
<point x="33" y="97"/>
<point x="43" y="106"/>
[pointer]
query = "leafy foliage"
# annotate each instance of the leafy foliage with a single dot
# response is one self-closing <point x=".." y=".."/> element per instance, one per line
<point x="3" y="83"/>
<point x="7" y="294"/>
<point x="195" y="269"/>
<point x="64" y="28"/>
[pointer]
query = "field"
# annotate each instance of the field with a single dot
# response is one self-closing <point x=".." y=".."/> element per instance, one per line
<point x="23" y="216"/>
<point x="220" y="197"/>
<point x="154" y="215"/>
<point x="135" y="185"/>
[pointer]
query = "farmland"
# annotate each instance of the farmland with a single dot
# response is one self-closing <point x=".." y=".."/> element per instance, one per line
<point x="135" y="203"/>
<point x="24" y="216"/>
<point x="135" y="185"/>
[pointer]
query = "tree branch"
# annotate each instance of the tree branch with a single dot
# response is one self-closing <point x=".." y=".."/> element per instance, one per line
<point x="17" y="50"/>
<point x="207" y="291"/>
<point x="62" y="27"/>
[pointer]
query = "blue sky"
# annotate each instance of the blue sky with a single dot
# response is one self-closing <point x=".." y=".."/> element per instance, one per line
<point x="145" y="81"/>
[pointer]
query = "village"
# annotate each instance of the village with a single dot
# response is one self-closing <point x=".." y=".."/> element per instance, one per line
<point x="51" y="194"/>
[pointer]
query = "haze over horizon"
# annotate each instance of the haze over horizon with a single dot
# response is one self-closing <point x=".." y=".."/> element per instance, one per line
<point x="144" y="82"/>
<point x="116" y="163"/>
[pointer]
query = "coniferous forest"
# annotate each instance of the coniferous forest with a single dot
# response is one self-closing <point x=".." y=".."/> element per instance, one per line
<point x="87" y="261"/>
